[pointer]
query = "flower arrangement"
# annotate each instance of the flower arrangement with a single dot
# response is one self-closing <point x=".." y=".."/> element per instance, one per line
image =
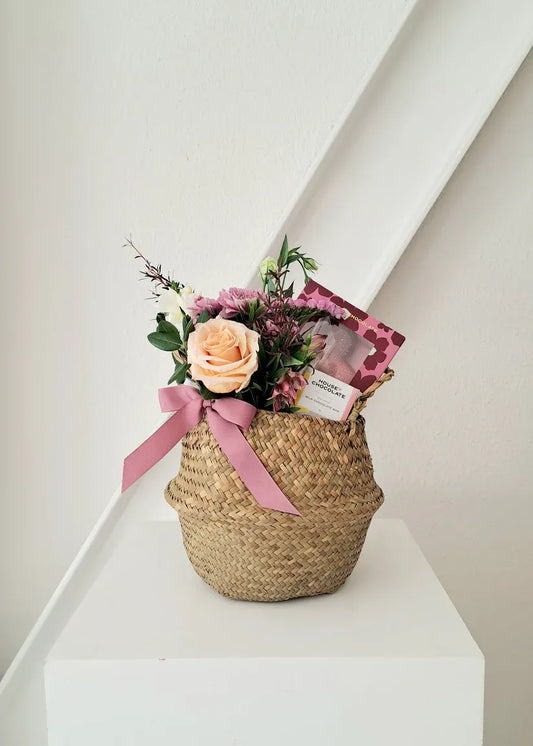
<point x="249" y="344"/>
<point x="255" y="486"/>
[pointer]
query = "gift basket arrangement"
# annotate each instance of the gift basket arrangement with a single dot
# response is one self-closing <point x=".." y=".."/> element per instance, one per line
<point x="275" y="491"/>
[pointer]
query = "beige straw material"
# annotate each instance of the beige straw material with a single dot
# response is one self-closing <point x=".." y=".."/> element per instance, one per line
<point x="247" y="552"/>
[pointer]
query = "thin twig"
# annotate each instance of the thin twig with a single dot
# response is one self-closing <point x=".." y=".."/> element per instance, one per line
<point x="152" y="272"/>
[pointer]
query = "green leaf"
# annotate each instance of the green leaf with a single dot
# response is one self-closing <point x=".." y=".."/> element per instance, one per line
<point x="163" y="341"/>
<point x="188" y="326"/>
<point x="277" y="374"/>
<point x="310" y="264"/>
<point x="271" y="286"/>
<point x="166" y="337"/>
<point x="289" y="292"/>
<point x="292" y="362"/>
<point x="179" y="374"/>
<point x="252" y="311"/>
<point x="295" y="256"/>
<point x="273" y="361"/>
<point x="203" y="317"/>
<point x="165" y="327"/>
<point x="300" y="355"/>
<point x="206" y="394"/>
<point x="282" y="258"/>
<point x="261" y="357"/>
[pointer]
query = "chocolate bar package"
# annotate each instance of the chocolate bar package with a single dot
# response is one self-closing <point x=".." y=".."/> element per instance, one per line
<point x="357" y="351"/>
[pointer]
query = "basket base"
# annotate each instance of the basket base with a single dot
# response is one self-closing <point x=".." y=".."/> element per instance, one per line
<point x="289" y="568"/>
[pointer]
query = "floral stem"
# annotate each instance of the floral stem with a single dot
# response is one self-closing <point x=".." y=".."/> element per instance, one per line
<point x="153" y="273"/>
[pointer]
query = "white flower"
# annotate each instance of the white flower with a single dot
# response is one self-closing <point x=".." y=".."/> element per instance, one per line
<point x="169" y="304"/>
<point x="186" y="298"/>
<point x="175" y="305"/>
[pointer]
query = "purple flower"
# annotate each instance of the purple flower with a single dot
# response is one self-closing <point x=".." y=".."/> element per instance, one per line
<point x="321" y="304"/>
<point x="211" y="305"/>
<point x="286" y="389"/>
<point x="237" y="300"/>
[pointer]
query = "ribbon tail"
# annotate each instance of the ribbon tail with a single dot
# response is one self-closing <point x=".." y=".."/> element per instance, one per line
<point x="154" y="448"/>
<point x="247" y="465"/>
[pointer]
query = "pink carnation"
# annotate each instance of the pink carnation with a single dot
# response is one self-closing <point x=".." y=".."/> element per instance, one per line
<point x="321" y="304"/>
<point x="237" y="300"/>
<point x="211" y="305"/>
<point x="286" y="389"/>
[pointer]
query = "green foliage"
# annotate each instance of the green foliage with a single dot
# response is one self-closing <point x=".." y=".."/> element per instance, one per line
<point x="206" y="393"/>
<point x="203" y="317"/>
<point x="283" y="254"/>
<point x="180" y="373"/>
<point x="165" y="327"/>
<point x="163" y="342"/>
<point x="166" y="337"/>
<point x="274" y="276"/>
<point x="188" y="326"/>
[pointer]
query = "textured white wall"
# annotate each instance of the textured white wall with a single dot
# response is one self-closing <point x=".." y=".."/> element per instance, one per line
<point x="452" y="435"/>
<point x="190" y="124"/>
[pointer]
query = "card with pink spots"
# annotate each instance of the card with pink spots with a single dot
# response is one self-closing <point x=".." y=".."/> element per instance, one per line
<point x="359" y="350"/>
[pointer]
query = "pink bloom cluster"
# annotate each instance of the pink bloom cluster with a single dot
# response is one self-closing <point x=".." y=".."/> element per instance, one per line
<point x="236" y="300"/>
<point x="211" y="305"/>
<point x="272" y="328"/>
<point x="321" y="304"/>
<point x="228" y="304"/>
<point x="286" y="389"/>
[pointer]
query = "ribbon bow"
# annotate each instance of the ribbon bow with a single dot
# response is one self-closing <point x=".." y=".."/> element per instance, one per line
<point x="227" y="418"/>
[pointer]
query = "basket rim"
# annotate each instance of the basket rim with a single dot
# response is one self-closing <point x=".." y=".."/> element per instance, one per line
<point x="343" y="465"/>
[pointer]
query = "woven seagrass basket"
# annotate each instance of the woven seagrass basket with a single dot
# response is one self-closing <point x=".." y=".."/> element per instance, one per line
<point x="246" y="552"/>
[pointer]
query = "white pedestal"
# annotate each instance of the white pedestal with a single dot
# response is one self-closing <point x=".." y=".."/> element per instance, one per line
<point x="154" y="656"/>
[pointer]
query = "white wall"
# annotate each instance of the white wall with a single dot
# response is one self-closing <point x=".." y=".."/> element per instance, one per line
<point x="190" y="124"/>
<point x="452" y="434"/>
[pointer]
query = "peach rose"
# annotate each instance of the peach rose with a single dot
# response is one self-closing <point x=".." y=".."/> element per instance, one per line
<point x="223" y="355"/>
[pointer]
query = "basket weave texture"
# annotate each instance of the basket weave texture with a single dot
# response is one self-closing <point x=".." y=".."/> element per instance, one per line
<point x="246" y="552"/>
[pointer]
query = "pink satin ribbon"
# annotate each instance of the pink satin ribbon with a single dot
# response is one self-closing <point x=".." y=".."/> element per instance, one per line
<point x="227" y="418"/>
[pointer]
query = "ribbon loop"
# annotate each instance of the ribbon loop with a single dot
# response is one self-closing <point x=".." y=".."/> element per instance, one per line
<point x="227" y="418"/>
